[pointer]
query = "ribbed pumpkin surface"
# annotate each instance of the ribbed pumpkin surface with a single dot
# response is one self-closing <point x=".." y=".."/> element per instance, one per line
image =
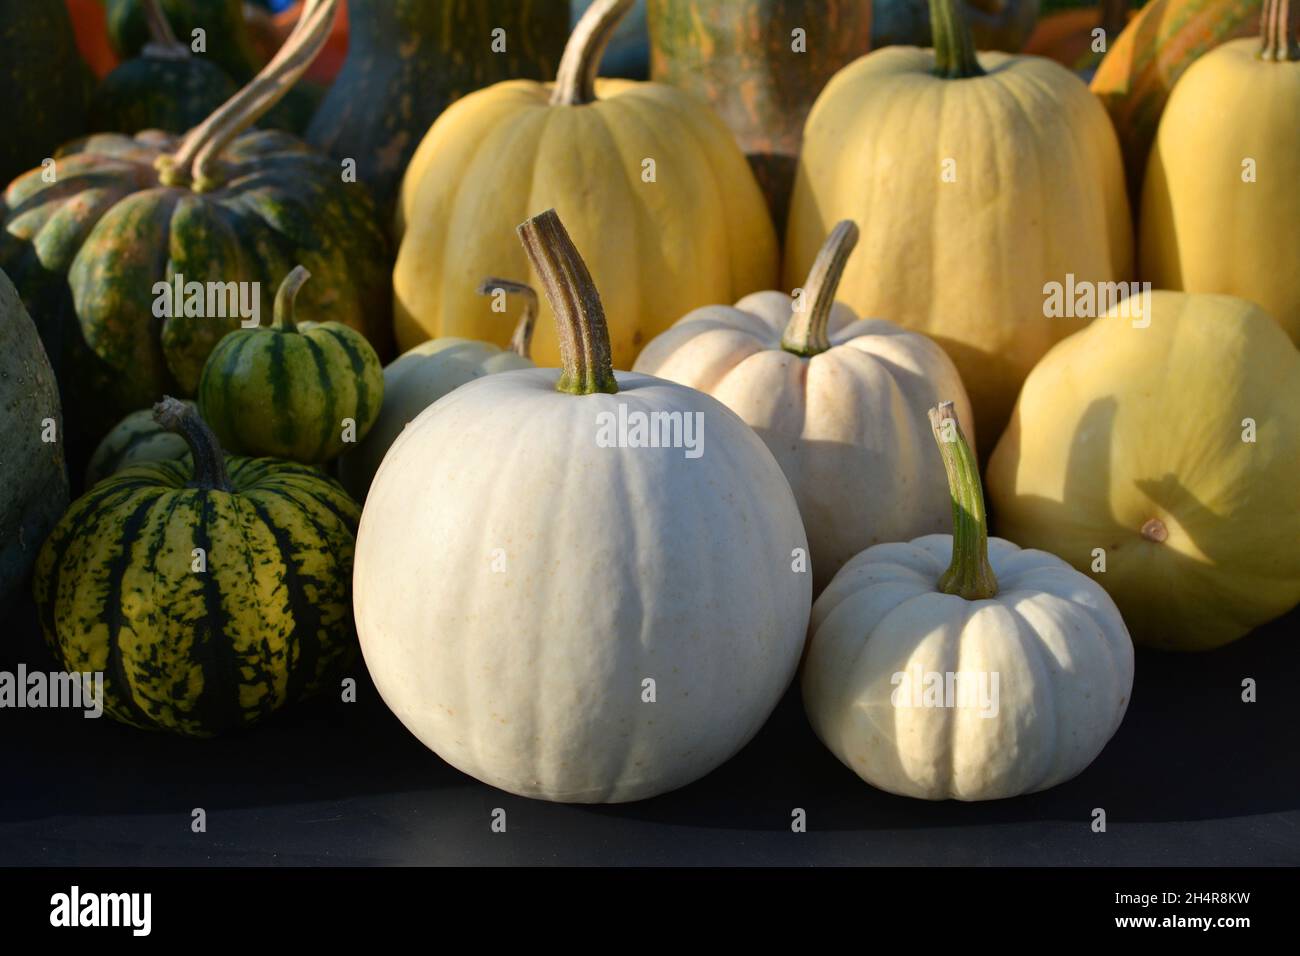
<point x="200" y="652"/>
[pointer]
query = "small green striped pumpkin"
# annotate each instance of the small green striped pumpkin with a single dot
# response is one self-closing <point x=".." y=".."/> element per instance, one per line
<point x="199" y="650"/>
<point x="136" y="439"/>
<point x="289" y="391"/>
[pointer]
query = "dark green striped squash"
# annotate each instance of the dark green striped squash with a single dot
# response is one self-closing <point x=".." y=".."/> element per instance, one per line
<point x="210" y="592"/>
<point x="302" y="392"/>
<point x="33" y="479"/>
<point x="228" y="42"/>
<point x="408" y="60"/>
<point x="43" y="81"/>
<point x="136" y="439"/>
<point x="165" y="87"/>
<point x="741" y="56"/>
<point x="97" y="254"/>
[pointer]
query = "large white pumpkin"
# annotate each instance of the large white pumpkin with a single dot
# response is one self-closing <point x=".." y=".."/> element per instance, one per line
<point x="839" y="400"/>
<point x="567" y="620"/>
<point x="1004" y="674"/>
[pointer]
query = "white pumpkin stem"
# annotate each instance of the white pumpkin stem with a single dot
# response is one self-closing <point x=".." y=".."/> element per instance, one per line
<point x="285" y="298"/>
<point x="193" y="163"/>
<point x="575" y="81"/>
<point x="970" y="575"/>
<point x="162" y="44"/>
<point x="521" y="342"/>
<point x="209" y="460"/>
<point x="806" y="333"/>
<point x="954" y="47"/>
<point x="585" y="353"/>
<point x="1278" y="25"/>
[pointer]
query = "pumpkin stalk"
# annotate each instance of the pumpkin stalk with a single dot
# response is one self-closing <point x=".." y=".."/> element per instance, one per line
<point x="954" y="48"/>
<point x="575" y="81"/>
<point x="285" y="297"/>
<point x="585" y="353"/>
<point x="209" y="460"/>
<point x="521" y="342"/>
<point x="970" y="575"/>
<point x="1278" y="25"/>
<point x="806" y="334"/>
<point x="162" y="39"/>
<point x="193" y="164"/>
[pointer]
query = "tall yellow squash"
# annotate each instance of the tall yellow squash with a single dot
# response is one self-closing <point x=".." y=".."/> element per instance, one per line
<point x="1220" y="207"/>
<point x="976" y="180"/>
<point x="646" y="177"/>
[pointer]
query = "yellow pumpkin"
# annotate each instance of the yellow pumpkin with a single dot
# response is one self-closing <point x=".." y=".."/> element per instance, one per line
<point x="647" y="178"/>
<point x="1220" y="207"/>
<point x="976" y="181"/>
<point x="1162" y="460"/>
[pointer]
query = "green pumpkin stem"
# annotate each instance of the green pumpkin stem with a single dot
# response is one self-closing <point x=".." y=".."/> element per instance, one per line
<point x="954" y="48"/>
<point x="162" y="39"/>
<point x="285" y="297"/>
<point x="806" y="333"/>
<point x="209" y="460"/>
<point x="1278" y="25"/>
<point x="970" y="575"/>
<point x="195" y="160"/>
<point x="575" y="81"/>
<point x="521" y="342"/>
<point x="585" y="353"/>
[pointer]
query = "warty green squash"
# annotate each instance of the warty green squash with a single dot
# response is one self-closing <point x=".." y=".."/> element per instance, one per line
<point x="418" y="378"/>
<point x="649" y="179"/>
<point x="210" y="592"/>
<point x="99" y="255"/>
<point x="33" y="476"/>
<point x="560" y="609"/>
<point x="977" y="180"/>
<point x="165" y="87"/>
<point x="297" y="391"/>
<point x="408" y="60"/>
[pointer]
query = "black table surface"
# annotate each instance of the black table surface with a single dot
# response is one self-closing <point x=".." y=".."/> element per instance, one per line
<point x="1194" y="777"/>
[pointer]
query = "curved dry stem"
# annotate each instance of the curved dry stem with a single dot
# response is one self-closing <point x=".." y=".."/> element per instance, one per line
<point x="521" y="342"/>
<point x="575" y="81"/>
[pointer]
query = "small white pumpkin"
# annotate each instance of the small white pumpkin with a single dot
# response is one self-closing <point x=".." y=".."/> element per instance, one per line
<point x="567" y="617"/>
<point x="420" y="376"/>
<point x="840" y="401"/>
<point x="1004" y="674"/>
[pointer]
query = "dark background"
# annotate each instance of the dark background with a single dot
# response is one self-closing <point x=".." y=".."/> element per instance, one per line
<point x="1193" y="777"/>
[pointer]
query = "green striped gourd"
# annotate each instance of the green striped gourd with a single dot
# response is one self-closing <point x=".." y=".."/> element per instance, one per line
<point x="210" y="592"/>
<point x="165" y="87"/>
<point x="419" y="377"/>
<point x="33" y="481"/>
<point x="136" y="439"/>
<point x="292" y="391"/>
<point x="229" y="211"/>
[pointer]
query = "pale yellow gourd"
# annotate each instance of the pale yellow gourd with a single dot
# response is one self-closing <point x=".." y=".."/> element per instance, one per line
<point x="420" y="376"/>
<point x="1163" y="461"/>
<point x="961" y="666"/>
<point x="1220" y="204"/>
<point x="649" y="180"/>
<point x="976" y="181"/>
<point x="840" y="401"/>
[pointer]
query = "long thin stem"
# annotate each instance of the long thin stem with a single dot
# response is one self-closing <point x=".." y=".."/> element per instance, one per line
<point x="209" y="460"/>
<point x="575" y="81"/>
<point x="585" y="352"/>
<point x="970" y="575"/>
<point x="195" y="158"/>
<point x="521" y="342"/>
<point x="806" y="333"/>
